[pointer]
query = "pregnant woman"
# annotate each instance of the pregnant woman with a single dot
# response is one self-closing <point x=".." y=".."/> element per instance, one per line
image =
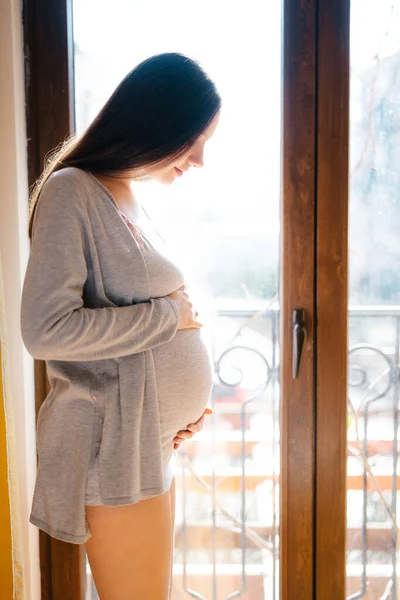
<point x="107" y="309"/>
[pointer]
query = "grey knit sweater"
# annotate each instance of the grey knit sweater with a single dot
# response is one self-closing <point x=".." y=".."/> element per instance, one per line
<point x="90" y="310"/>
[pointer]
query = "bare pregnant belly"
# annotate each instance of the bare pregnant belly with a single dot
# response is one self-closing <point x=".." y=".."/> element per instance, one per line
<point x="184" y="374"/>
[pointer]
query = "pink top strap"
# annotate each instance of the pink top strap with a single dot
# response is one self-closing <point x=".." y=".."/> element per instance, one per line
<point x="135" y="231"/>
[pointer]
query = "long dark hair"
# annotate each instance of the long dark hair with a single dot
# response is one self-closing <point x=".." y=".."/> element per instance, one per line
<point x="154" y="116"/>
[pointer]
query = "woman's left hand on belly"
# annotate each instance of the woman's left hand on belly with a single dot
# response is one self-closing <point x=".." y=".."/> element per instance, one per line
<point x="192" y="428"/>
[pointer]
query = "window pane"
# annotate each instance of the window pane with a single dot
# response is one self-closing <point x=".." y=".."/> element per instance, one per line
<point x="374" y="299"/>
<point x="221" y="223"/>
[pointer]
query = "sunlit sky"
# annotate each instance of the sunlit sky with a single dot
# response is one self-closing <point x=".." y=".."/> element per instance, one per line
<point x="111" y="29"/>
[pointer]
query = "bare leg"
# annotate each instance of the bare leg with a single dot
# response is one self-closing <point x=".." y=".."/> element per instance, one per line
<point x="130" y="549"/>
<point x="172" y="504"/>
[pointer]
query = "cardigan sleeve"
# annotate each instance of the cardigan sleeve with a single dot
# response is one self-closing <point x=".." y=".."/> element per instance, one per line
<point x="54" y="323"/>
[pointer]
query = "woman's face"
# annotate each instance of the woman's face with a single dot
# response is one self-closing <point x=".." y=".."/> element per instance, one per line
<point x="192" y="158"/>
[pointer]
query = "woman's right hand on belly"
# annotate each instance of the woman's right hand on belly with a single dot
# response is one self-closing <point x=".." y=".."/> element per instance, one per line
<point x="188" y="316"/>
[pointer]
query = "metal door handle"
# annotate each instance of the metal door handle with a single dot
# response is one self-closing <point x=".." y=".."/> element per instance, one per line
<point x="299" y="336"/>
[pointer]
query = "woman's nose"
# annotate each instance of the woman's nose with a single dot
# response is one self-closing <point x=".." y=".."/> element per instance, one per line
<point x="196" y="159"/>
<point x="197" y="162"/>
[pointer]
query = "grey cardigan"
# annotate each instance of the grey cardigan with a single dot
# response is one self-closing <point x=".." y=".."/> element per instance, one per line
<point x="86" y="311"/>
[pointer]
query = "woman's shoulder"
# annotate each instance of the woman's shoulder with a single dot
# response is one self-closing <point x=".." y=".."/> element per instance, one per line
<point x="69" y="178"/>
<point x="64" y="196"/>
<point x="69" y="184"/>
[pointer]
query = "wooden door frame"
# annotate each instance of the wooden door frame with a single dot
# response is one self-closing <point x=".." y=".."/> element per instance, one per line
<point x="332" y="187"/>
<point x="314" y="407"/>
<point x="297" y="290"/>
<point x="48" y="51"/>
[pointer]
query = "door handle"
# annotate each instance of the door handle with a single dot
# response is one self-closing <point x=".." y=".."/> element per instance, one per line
<point x="299" y="336"/>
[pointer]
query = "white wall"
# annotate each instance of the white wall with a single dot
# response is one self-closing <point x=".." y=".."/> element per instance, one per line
<point x="14" y="249"/>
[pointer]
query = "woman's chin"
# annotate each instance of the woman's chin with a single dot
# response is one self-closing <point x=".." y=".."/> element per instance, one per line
<point x="167" y="179"/>
<point x="164" y="178"/>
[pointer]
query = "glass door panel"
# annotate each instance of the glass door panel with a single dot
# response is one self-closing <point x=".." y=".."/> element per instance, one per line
<point x="222" y="225"/>
<point x="374" y="299"/>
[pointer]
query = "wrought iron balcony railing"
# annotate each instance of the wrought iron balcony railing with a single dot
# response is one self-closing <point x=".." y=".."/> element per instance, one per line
<point x="227" y="522"/>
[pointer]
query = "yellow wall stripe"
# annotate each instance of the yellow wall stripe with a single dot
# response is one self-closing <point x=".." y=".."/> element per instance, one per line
<point x="6" y="571"/>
